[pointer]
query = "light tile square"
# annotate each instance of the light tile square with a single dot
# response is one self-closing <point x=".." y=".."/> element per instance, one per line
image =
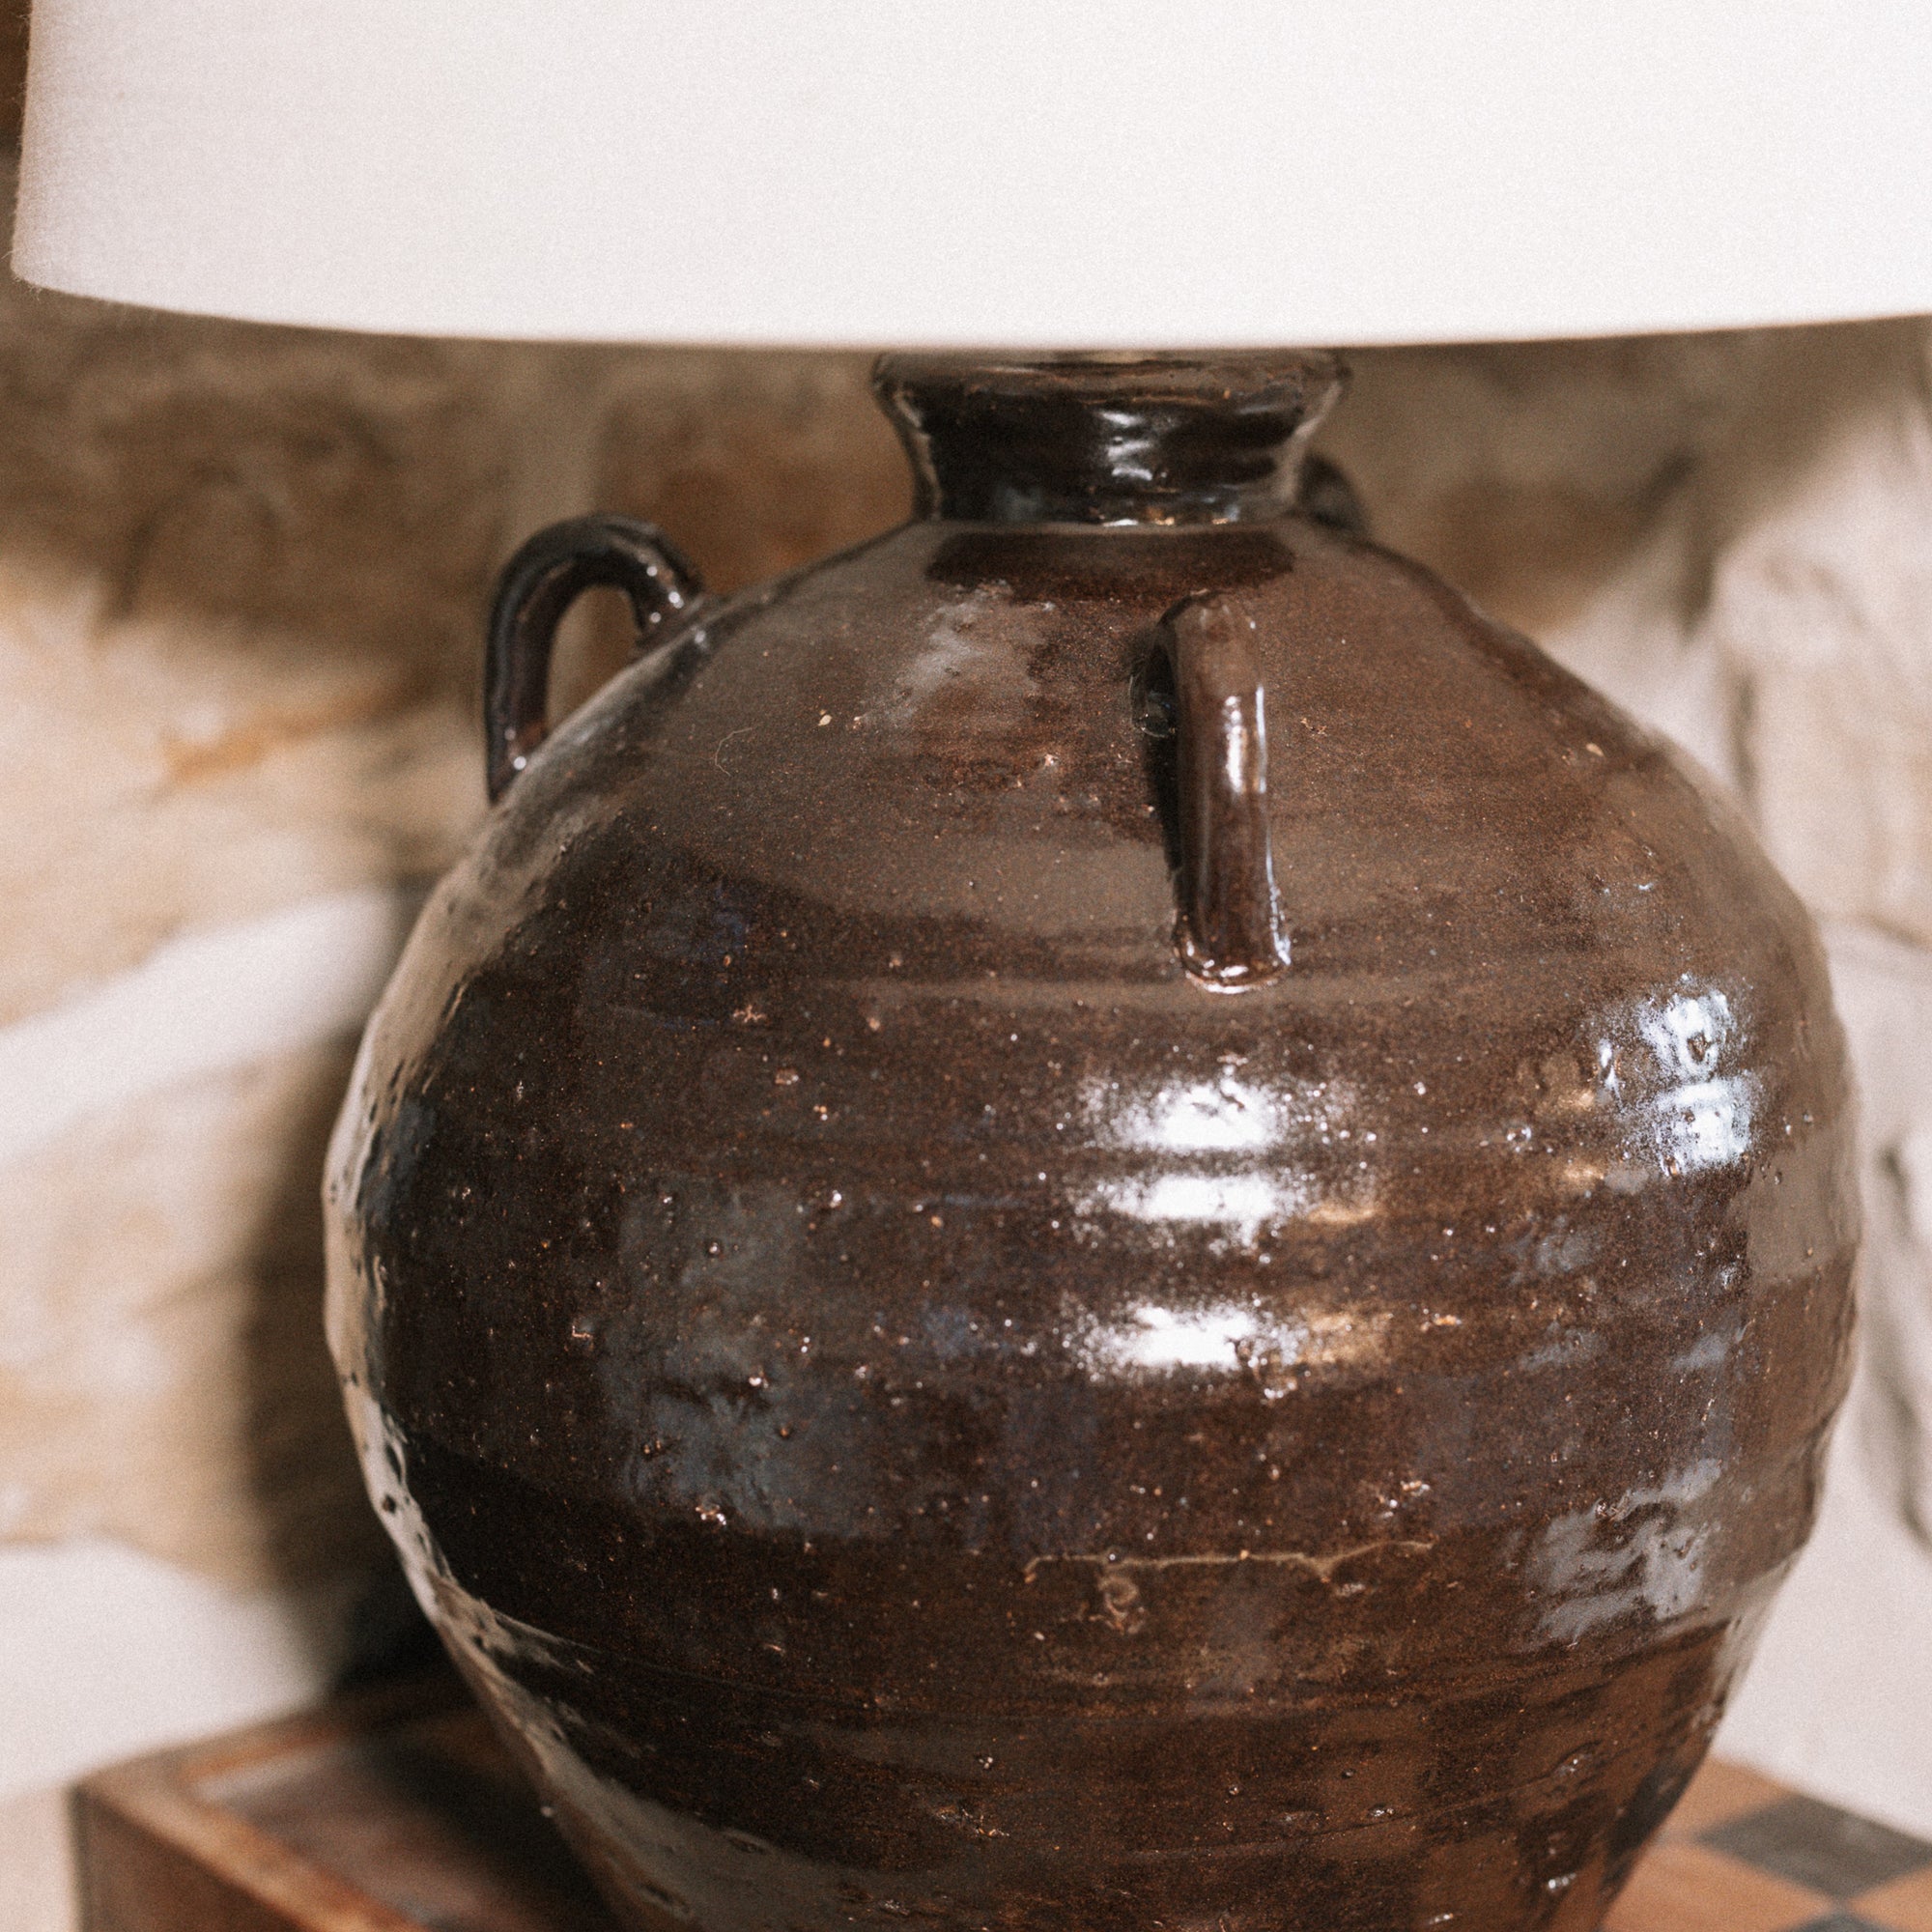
<point x="1718" y="1794"/>
<point x="1685" y="1886"/>
<point x="1905" y="1905"/>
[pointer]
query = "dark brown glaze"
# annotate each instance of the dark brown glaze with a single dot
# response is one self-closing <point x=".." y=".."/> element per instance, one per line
<point x="539" y="585"/>
<point x="1229" y="931"/>
<point x="907" y="1405"/>
<point x="1106" y="440"/>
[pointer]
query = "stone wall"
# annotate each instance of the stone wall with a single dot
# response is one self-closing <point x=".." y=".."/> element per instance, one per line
<point x="240" y="579"/>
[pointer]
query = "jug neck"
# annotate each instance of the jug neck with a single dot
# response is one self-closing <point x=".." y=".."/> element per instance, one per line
<point x="1106" y="440"/>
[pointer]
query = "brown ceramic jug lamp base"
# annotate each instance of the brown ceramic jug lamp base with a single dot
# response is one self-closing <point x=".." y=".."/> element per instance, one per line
<point x="1099" y="1217"/>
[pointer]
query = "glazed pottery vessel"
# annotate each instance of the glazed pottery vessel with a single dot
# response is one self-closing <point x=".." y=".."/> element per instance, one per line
<point x="1098" y="1217"/>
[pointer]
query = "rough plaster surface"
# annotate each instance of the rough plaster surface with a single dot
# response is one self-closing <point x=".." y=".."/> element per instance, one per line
<point x="240" y="574"/>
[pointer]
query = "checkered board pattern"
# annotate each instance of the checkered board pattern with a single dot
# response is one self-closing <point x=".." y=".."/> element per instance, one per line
<point x="1741" y="1854"/>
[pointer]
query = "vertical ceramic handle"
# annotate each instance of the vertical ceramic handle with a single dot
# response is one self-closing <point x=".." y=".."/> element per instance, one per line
<point x="538" y="586"/>
<point x="1229" y="931"/>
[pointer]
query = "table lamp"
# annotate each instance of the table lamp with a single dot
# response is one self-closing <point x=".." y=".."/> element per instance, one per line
<point x="1178" y="1254"/>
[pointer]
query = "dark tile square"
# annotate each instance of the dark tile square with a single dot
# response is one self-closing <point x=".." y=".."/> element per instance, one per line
<point x="1818" y="1845"/>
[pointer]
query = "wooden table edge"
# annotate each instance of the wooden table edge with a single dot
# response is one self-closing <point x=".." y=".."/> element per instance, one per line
<point x="155" y="1800"/>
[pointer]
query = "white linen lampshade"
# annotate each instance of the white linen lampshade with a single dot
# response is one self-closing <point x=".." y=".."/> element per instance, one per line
<point x="1030" y="173"/>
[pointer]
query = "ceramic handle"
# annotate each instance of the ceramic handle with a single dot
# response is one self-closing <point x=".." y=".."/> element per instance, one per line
<point x="538" y="586"/>
<point x="1229" y="932"/>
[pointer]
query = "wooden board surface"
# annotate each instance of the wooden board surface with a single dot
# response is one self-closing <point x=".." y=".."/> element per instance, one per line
<point x="398" y="1812"/>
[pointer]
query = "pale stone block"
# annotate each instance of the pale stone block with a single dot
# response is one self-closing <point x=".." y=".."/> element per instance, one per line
<point x="36" y="1866"/>
<point x="208" y="1000"/>
<point x="111" y="1653"/>
<point x="162" y="1373"/>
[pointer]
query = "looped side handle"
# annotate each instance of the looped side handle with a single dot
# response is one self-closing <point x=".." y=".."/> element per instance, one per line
<point x="1229" y="926"/>
<point x="538" y="586"/>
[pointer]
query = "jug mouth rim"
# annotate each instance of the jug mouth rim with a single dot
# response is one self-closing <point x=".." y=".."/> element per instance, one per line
<point x="1304" y="381"/>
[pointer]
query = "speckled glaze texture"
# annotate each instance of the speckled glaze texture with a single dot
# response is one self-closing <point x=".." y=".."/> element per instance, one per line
<point x="910" y="1404"/>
